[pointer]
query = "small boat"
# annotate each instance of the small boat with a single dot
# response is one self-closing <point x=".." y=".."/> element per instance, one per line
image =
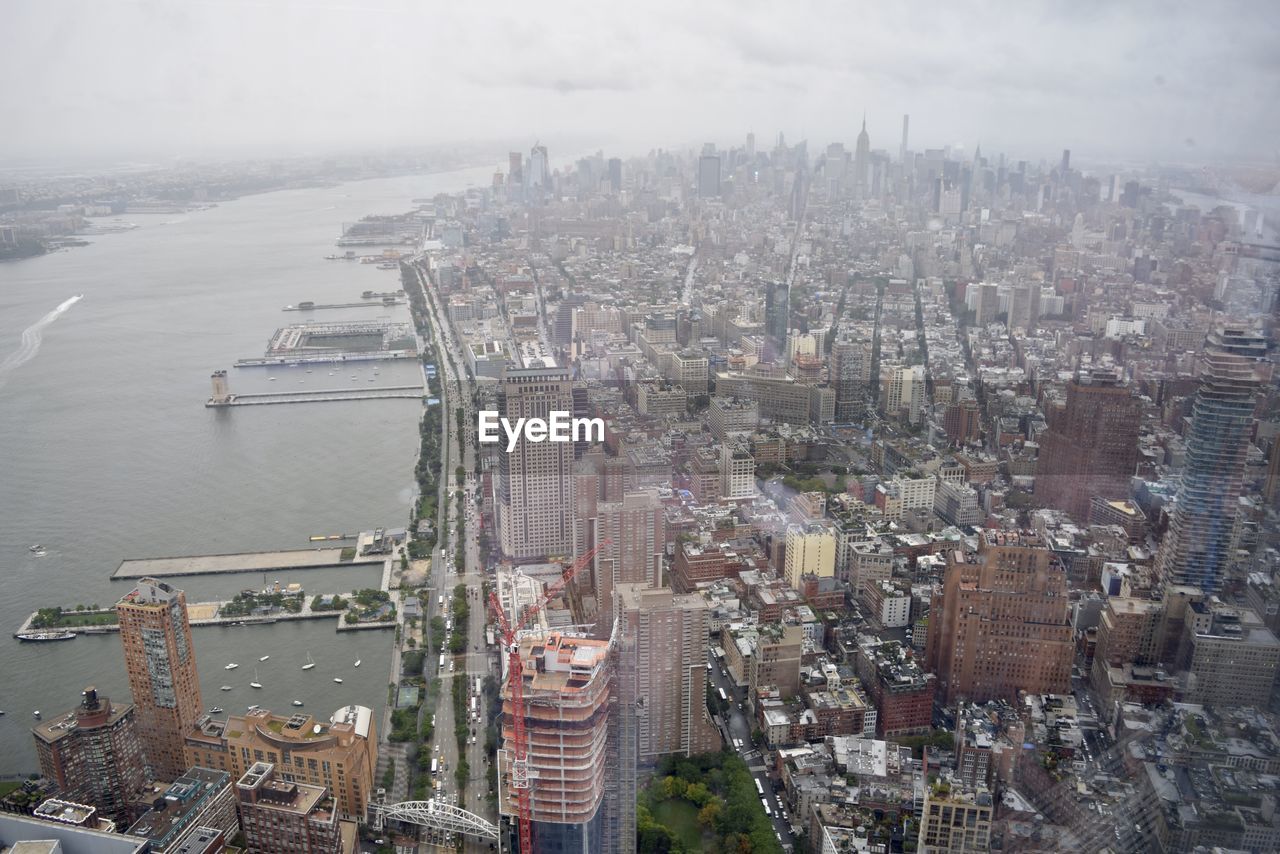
<point x="297" y="702"/>
<point x="252" y="709"/>
<point x="338" y="679"/>
<point x="271" y="379"/>
<point x="1" y="711"/>
<point x="357" y="664"/>
<point x="231" y="666"/>
<point x="310" y="662"/>
<point x="255" y="683"/>
<point x="264" y="658"/>
<point x="226" y="688"/>
<point x="308" y="370"/>
<point x="35" y="548"/>
<point x="36" y="713"/>
<point x="217" y="710"/>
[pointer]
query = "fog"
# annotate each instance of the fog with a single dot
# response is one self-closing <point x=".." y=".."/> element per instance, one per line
<point x="1168" y="80"/>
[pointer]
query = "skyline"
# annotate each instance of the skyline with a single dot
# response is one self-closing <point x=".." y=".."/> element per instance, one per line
<point x="1151" y="82"/>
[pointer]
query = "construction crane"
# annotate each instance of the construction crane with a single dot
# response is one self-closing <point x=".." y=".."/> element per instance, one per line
<point x="515" y="686"/>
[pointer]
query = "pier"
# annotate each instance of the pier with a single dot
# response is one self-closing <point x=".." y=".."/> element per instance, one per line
<point x="326" y="358"/>
<point x="277" y="561"/>
<point x="402" y="392"/>
<point x="302" y="306"/>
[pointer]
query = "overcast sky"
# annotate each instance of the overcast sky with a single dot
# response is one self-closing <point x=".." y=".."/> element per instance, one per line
<point x="1171" y="80"/>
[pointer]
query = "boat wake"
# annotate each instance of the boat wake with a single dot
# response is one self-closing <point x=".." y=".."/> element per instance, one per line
<point x="32" y="337"/>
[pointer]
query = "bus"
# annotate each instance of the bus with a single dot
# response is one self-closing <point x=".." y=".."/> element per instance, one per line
<point x="479" y="685"/>
<point x="767" y="811"/>
<point x="440" y="600"/>
<point x="442" y="661"/>
<point x="473" y="704"/>
<point x="723" y="696"/>
<point x="435" y="766"/>
<point x="759" y="788"/>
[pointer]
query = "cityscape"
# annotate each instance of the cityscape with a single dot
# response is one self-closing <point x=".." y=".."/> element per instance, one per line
<point x="806" y="491"/>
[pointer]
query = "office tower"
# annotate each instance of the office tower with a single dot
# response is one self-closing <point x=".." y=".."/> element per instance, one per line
<point x="811" y="550"/>
<point x="708" y="176"/>
<point x="737" y="472"/>
<point x="1066" y="163"/>
<point x="93" y="754"/>
<point x="534" y="486"/>
<point x="862" y="162"/>
<point x="751" y="146"/>
<point x="161" y="662"/>
<point x="615" y="175"/>
<point x="1233" y="658"/>
<point x="1091" y="446"/>
<point x="730" y="417"/>
<point x="285" y="817"/>
<point x="850" y="376"/>
<point x="636" y="529"/>
<point x="955" y="820"/>
<point x="539" y="167"/>
<point x="904" y="393"/>
<point x="339" y="754"/>
<point x="566" y="697"/>
<point x="777" y="313"/>
<point x="663" y="670"/>
<point x="902" y="153"/>
<point x="515" y="168"/>
<point x="195" y="814"/>
<point x="963" y="421"/>
<point x="986" y="302"/>
<point x="1197" y="547"/>
<point x="1001" y="622"/>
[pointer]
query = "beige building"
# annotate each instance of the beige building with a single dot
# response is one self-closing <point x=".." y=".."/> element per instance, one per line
<point x="1234" y="660"/>
<point x="811" y="550"/>
<point x="955" y="821"/>
<point x="339" y="754"/>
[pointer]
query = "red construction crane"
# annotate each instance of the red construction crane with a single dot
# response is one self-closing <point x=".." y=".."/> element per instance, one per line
<point x="515" y="685"/>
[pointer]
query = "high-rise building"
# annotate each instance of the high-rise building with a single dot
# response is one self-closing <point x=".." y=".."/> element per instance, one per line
<point x="1091" y="446"/>
<point x="515" y="168"/>
<point x="534" y="487"/>
<point x="93" y="754"/>
<point x="862" y="162"/>
<point x="339" y="755"/>
<point x="737" y="471"/>
<point x="777" y="313"/>
<point x="708" y="176"/>
<point x="850" y="375"/>
<point x="161" y="663"/>
<point x="663" y="666"/>
<point x="283" y="816"/>
<point x="811" y="550"/>
<point x="1197" y="546"/>
<point x="566" y="697"/>
<point x="196" y="814"/>
<point x="904" y="392"/>
<point x="902" y="153"/>
<point x="615" y="175"/>
<point x="1001" y="622"/>
<point x="635" y="529"/>
<point x="539" y="167"/>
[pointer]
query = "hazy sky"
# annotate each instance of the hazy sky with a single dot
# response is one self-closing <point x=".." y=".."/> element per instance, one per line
<point x="173" y="77"/>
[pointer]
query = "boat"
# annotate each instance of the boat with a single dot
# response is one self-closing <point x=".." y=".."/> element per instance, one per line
<point x="297" y="702"/>
<point x="45" y="636"/>
<point x="231" y="666"/>
<point x="357" y="664"/>
<point x="338" y="679"/>
<point x="35" y="548"/>
<point x="310" y="662"/>
<point x="271" y="379"/>
<point x="253" y="708"/>
<point x="226" y="688"/>
<point x="264" y="658"/>
<point x="255" y="683"/>
<point x="217" y="710"/>
<point x="36" y="713"/>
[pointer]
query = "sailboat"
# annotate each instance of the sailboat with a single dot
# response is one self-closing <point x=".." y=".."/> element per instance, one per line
<point x="255" y="683"/>
<point x="310" y="662"/>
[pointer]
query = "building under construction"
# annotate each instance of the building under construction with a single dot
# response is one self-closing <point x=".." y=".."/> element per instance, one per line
<point x="567" y="683"/>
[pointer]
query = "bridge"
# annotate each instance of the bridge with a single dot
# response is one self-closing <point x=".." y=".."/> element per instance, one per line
<point x="436" y="814"/>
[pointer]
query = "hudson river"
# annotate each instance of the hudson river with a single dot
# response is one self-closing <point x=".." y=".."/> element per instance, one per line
<point x="107" y="450"/>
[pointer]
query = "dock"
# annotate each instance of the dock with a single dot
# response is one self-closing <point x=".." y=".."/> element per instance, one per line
<point x="326" y="358"/>
<point x="364" y="304"/>
<point x="401" y="392"/>
<point x="277" y="561"/>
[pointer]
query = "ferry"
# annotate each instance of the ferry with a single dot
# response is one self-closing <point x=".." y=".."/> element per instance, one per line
<point x="217" y="710"/>
<point x="45" y="636"/>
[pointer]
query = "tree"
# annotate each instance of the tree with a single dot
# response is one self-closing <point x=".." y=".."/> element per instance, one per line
<point x="709" y="813"/>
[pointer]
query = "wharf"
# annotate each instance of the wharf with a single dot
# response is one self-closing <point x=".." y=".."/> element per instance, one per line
<point x="289" y="559"/>
<point x="326" y="358"/>
<point x="395" y="392"/>
<point x="364" y="304"/>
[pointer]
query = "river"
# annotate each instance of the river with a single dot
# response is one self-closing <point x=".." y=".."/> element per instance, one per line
<point x="107" y="451"/>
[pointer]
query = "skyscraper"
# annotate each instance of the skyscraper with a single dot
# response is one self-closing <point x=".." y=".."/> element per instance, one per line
<point x="850" y="376"/>
<point x="636" y="529"/>
<point x="539" y="167"/>
<point x="708" y="176"/>
<point x="1197" y="546"/>
<point x="1001" y="622"/>
<point x="515" y="168"/>
<point x="534" y="489"/>
<point x="902" y="153"/>
<point x="862" y="161"/>
<point x="1091" y="446"/>
<point x="93" y="754"/>
<point x="161" y="663"/>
